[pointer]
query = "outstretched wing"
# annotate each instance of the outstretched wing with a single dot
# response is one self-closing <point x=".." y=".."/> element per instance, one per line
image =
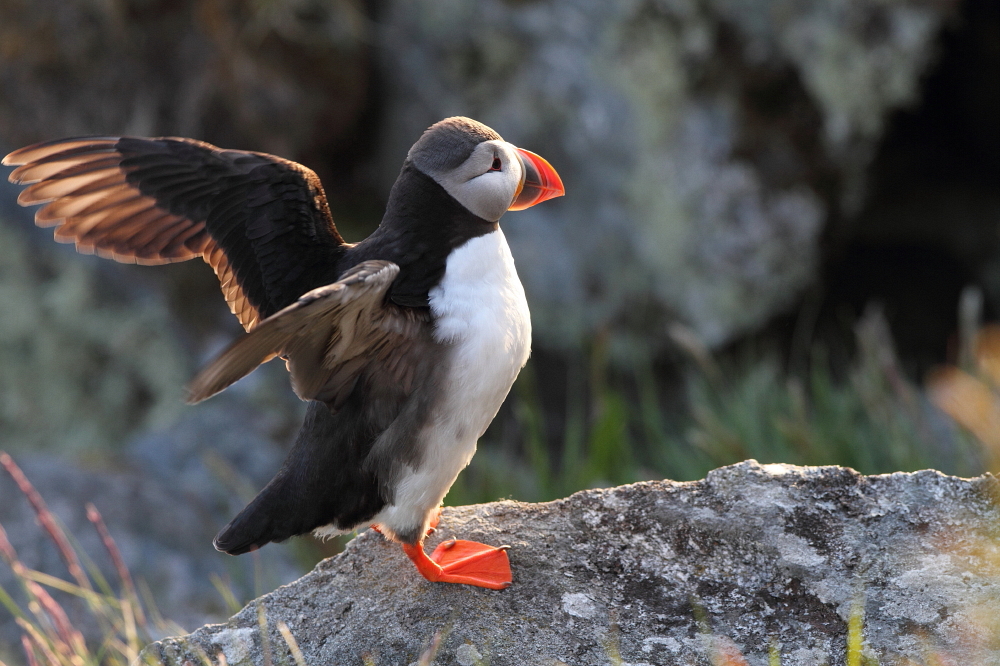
<point x="261" y="222"/>
<point x="327" y="336"/>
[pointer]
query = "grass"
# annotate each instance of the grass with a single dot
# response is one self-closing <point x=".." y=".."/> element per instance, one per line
<point x="49" y="637"/>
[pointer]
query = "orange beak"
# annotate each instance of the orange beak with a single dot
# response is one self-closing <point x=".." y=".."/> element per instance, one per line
<point x="539" y="181"/>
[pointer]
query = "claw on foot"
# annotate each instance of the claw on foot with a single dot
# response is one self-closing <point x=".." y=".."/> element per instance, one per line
<point x="466" y="562"/>
<point x="435" y="519"/>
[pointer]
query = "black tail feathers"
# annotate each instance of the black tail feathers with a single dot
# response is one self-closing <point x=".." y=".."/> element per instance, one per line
<point x="241" y="536"/>
<point x="281" y="510"/>
<point x="323" y="481"/>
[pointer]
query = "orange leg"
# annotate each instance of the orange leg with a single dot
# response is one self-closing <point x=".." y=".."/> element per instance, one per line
<point x="465" y="562"/>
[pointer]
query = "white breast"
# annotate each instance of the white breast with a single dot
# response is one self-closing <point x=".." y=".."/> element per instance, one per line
<point x="480" y="311"/>
<point x="481" y="314"/>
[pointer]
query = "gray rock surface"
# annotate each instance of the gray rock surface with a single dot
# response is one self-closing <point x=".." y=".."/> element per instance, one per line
<point x="286" y="77"/>
<point x="86" y="359"/>
<point x="703" y="144"/>
<point x="666" y="573"/>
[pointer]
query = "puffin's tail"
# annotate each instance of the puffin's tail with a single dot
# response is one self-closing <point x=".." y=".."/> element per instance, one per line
<point x="321" y="482"/>
<point x="235" y="539"/>
<point x="267" y="518"/>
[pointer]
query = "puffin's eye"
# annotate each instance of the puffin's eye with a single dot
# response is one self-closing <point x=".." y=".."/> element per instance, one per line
<point x="497" y="164"/>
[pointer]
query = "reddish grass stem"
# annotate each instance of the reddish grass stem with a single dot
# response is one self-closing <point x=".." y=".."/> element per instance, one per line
<point x="47" y="521"/>
<point x="72" y="638"/>
<point x="29" y="650"/>
<point x="94" y="516"/>
<point x="6" y="549"/>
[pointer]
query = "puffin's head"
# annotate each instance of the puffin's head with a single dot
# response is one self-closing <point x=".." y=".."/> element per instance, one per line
<point x="481" y="171"/>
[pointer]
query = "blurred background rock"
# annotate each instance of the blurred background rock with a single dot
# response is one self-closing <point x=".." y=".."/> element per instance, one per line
<point x="773" y="208"/>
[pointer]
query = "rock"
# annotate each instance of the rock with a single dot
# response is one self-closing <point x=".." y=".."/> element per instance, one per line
<point x="703" y="145"/>
<point x="665" y="573"/>
<point x="86" y="359"/>
<point x="288" y="77"/>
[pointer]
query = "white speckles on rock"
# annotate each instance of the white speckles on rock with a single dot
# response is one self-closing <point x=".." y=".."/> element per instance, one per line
<point x="935" y="578"/>
<point x="593" y="518"/>
<point x="689" y="568"/>
<point x="468" y="655"/>
<point x="777" y="469"/>
<point x="579" y="605"/>
<point x="236" y="643"/>
<point x="802" y="656"/>
<point x="667" y="642"/>
<point x="796" y="551"/>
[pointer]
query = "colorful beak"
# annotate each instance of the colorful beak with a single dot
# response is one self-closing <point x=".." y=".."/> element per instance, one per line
<point x="539" y="181"/>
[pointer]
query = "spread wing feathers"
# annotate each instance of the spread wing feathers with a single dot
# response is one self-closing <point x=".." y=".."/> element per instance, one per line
<point x="327" y="336"/>
<point x="261" y="222"/>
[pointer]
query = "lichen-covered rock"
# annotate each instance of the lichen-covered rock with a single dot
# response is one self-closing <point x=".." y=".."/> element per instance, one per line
<point x="85" y="359"/>
<point x="702" y="145"/>
<point x="288" y="77"/>
<point x="753" y="558"/>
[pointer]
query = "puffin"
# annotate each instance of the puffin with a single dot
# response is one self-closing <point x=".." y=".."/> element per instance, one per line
<point x="404" y="344"/>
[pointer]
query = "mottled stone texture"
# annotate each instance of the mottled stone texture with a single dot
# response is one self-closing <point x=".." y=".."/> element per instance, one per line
<point x="86" y="357"/>
<point x="703" y="144"/>
<point x="288" y="77"/>
<point x="667" y="573"/>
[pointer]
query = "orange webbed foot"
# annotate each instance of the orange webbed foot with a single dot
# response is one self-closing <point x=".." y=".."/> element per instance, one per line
<point x="464" y="562"/>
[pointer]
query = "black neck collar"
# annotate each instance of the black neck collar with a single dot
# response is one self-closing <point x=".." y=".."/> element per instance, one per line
<point x="421" y="226"/>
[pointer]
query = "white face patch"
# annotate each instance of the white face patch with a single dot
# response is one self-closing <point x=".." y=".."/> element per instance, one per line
<point x="486" y="182"/>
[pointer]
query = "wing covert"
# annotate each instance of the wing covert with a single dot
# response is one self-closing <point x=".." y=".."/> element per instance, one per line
<point x="328" y="337"/>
